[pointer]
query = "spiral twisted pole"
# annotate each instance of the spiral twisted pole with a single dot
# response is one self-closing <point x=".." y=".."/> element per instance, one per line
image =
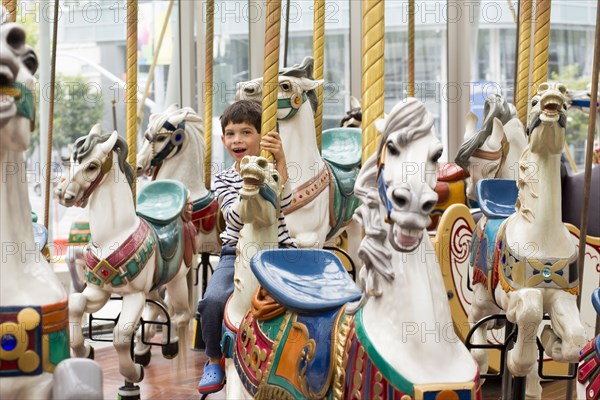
<point x="131" y="85"/>
<point x="411" y="49"/>
<point x="208" y="90"/>
<point x="11" y="7"/>
<point x="318" y="54"/>
<point x="372" y="79"/>
<point x="523" y="60"/>
<point x="271" y="71"/>
<point x="541" y="41"/>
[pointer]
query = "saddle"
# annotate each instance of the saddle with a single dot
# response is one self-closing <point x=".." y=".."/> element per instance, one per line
<point x="497" y="197"/>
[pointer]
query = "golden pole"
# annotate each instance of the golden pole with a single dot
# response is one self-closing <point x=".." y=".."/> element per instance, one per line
<point x="372" y="66"/>
<point x="318" y="54"/>
<point x="411" y="49"/>
<point x="131" y="85"/>
<point x="50" y="115"/>
<point x="523" y="60"/>
<point x="271" y="72"/>
<point x="11" y="7"/>
<point x="140" y="111"/>
<point x="208" y="90"/>
<point x="541" y="40"/>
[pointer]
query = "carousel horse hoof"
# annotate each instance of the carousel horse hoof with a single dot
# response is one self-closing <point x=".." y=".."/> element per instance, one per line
<point x="170" y="350"/>
<point x="518" y="368"/>
<point x="550" y="341"/>
<point x="144" y="358"/>
<point x="213" y="379"/>
<point x="91" y="353"/>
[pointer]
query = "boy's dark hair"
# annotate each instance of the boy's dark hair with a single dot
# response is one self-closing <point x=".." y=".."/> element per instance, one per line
<point x="243" y="111"/>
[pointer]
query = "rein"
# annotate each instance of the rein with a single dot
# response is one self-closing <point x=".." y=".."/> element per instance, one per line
<point x="500" y="154"/>
<point x="106" y="166"/>
<point x="25" y="99"/>
<point x="293" y="103"/>
<point x="177" y="135"/>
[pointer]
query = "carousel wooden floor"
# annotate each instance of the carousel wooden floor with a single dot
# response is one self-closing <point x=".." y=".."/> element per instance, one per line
<point x="163" y="379"/>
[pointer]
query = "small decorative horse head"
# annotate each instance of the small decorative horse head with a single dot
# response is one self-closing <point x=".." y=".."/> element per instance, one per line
<point x="406" y="187"/>
<point x="90" y="164"/>
<point x="353" y="118"/>
<point x="260" y="178"/>
<point x="296" y="85"/>
<point x="547" y="107"/>
<point x="167" y="135"/>
<point x="17" y="104"/>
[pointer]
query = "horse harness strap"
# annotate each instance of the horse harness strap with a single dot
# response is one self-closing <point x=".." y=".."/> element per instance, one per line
<point x="309" y="190"/>
<point x="500" y="154"/>
<point x="293" y="103"/>
<point x="106" y="166"/>
<point x="25" y="100"/>
<point x="34" y="338"/>
<point x="125" y="263"/>
<point x="176" y="140"/>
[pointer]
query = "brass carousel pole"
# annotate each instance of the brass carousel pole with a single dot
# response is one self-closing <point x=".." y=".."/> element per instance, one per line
<point x="208" y="90"/>
<point x="318" y="54"/>
<point x="131" y="85"/>
<point x="521" y="98"/>
<point x="372" y="66"/>
<point x="11" y="7"/>
<point x="50" y="116"/>
<point x="271" y="71"/>
<point x="411" y="49"/>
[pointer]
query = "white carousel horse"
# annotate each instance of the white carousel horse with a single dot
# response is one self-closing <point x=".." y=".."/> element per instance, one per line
<point x="322" y="188"/>
<point x="129" y="256"/>
<point x="493" y="151"/>
<point x="527" y="259"/>
<point x="33" y="304"/>
<point x="327" y="350"/>
<point x="174" y="148"/>
<point x="588" y="373"/>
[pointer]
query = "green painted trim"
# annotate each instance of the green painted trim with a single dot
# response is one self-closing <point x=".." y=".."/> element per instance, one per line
<point x="388" y="372"/>
<point x="59" y="346"/>
<point x="270" y="328"/>
<point x="277" y="380"/>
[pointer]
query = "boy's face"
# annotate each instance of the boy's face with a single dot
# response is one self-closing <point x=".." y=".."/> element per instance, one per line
<point x="241" y="140"/>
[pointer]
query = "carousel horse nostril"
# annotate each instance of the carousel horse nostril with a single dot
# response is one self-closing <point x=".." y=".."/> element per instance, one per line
<point x="428" y="206"/>
<point x="401" y="198"/>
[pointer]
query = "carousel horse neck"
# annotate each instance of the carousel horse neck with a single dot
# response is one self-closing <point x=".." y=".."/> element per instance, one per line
<point x="187" y="166"/>
<point x="25" y="276"/>
<point x="422" y="328"/>
<point x="300" y="145"/>
<point x="517" y="141"/>
<point x="111" y="210"/>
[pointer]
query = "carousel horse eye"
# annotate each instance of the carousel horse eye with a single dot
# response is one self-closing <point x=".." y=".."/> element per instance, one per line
<point x="262" y="163"/>
<point x="161" y="139"/>
<point x="286" y="86"/>
<point x="392" y="149"/>
<point x="92" y="167"/>
<point x="275" y="177"/>
<point x="436" y="156"/>
<point x="534" y="102"/>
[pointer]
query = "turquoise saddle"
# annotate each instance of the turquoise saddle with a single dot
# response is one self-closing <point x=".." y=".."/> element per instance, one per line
<point x="342" y="151"/>
<point x="161" y="203"/>
<point x="308" y="281"/>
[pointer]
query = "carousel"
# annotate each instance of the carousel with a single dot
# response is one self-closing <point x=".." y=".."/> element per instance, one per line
<point x="426" y="265"/>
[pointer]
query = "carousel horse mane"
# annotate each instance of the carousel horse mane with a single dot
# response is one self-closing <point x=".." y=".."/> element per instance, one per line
<point x="495" y="107"/>
<point x="412" y="120"/>
<point x="304" y="70"/>
<point x="85" y="144"/>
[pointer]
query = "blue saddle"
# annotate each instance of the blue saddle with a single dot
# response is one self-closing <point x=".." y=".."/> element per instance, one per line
<point x="40" y="236"/>
<point x="596" y="300"/>
<point x="497" y="197"/>
<point x="308" y="281"/>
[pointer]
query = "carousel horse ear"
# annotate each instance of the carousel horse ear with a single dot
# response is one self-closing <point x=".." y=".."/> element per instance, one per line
<point x="108" y="146"/>
<point x="354" y="103"/>
<point x="309" y="84"/>
<point x="470" y="125"/>
<point x="497" y="134"/>
<point x="380" y="124"/>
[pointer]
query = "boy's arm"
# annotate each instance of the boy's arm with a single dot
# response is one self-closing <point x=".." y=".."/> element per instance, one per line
<point x="286" y="195"/>
<point x="229" y="201"/>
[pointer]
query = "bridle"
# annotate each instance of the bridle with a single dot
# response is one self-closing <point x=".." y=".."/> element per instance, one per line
<point x="499" y="154"/>
<point x="106" y="166"/>
<point x="294" y="102"/>
<point x="177" y="134"/>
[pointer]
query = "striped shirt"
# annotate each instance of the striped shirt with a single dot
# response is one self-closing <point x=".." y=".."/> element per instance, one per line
<point x="227" y="186"/>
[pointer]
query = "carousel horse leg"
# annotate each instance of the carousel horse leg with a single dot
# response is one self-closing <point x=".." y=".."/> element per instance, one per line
<point x="566" y="337"/>
<point x="524" y="307"/>
<point x="90" y="300"/>
<point x="178" y="295"/>
<point x="133" y="305"/>
<point x="533" y="389"/>
<point x="74" y="261"/>
<point x="142" y="352"/>
<point x="481" y="306"/>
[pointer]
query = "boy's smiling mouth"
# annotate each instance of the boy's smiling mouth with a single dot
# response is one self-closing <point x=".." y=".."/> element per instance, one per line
<point x="239" y="150"/>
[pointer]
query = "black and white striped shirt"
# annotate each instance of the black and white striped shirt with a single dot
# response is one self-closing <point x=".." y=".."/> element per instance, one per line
<point x="227" y="187"/>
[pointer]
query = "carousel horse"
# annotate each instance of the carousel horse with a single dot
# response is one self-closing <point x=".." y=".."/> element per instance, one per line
<point x="522" y="255"/>
<point x="302" y="340"/>
<point x="34" y="328"/>
<point x="588" y="373"/>
<point x="174" y="148"/>
<point x="450" y="185"/>
<point x="494" y="150"/>
<point x="130" y="255"/>
<point x="322" y="186"/>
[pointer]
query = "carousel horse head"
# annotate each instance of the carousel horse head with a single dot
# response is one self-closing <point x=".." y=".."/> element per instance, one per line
<point x="260" y="178"/>
<point x="353" y="118"/>
<point x="18" y="63"/>
<point x="486" y="153"/>
<point x="407" y="160"/>
<point x="547" y="119"/>
<point x="296" y="86"/>
<point x="167" y="135"/>
<point x="90" y="164"/>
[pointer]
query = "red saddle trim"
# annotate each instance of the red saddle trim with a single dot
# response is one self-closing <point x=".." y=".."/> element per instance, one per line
<point x="205" y="219"/>
<point x="124" y="252"/>
<point x="589" y="370"/>
<point x="450" y="172"/>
